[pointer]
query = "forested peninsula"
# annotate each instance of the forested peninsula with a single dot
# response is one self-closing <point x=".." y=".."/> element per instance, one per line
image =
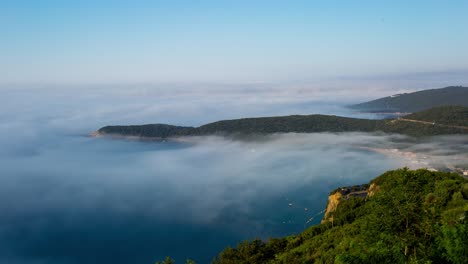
<point x="430" y="122"/>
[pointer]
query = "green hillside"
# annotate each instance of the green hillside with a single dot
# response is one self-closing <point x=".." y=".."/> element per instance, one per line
<point x="417" y="129"/>
<point x="447" y="115"/>
<point x="260" y="125"/>
<point x="285" y="124"/>
<point x="418" y="101"/>
<point x="409" y="217"/>
<point x="305" y="124"/>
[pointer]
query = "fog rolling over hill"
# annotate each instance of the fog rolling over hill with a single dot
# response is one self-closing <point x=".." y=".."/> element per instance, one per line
<point x="138" y="131"/>
<point x="66" y="198"/>
<point x="417" y="101"/>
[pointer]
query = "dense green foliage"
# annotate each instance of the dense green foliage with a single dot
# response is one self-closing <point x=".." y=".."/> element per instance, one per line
<point x="414" y="217"/>
<point x="151" y="131"/>
<point x="297" y="124"/>
<point x="418" y="101"/>
<point x="285" y="124"/>
<point x="447" y="115"/>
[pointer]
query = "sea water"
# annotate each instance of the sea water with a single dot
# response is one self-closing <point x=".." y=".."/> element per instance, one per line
<point x="66" y="197"/>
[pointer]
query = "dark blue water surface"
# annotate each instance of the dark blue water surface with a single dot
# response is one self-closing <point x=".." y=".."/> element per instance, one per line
<point x="69" y="198"/>
<point x="95" y="200"/>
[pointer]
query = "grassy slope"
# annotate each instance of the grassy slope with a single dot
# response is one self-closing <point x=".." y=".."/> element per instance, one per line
<point x="415" y="216"/>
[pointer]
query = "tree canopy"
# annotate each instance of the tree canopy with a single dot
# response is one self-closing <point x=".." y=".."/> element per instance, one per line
<point x="415" y="217"/>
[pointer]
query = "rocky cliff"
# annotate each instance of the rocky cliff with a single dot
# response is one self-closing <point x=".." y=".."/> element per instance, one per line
<point x="344" y="193"/>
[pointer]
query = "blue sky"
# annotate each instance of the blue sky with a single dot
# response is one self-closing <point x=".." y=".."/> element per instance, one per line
<point x="228" y="41"/>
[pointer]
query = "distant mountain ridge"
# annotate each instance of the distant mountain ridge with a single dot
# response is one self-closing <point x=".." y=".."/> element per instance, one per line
<point x="417" y="101"/>
<point x="307" y="124"/>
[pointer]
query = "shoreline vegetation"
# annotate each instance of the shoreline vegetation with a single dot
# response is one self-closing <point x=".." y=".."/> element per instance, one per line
<point x="402" y="216"/>
<point x="406" y="216"/>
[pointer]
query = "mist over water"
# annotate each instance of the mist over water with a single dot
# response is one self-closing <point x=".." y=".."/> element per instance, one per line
<point x="69" y="198"/>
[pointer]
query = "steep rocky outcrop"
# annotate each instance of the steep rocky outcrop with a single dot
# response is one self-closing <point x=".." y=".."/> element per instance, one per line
<point x="333" y="202"/>
<point x="344" y="193"/>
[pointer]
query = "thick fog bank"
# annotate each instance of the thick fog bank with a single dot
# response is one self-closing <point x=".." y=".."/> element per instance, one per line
<point x="68" y="198"/>
<point x="81" y="199"/>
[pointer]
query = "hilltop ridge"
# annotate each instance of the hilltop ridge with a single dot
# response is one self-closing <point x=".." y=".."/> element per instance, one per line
<point x="417" y="101"/>
<point x="306" y="124"/>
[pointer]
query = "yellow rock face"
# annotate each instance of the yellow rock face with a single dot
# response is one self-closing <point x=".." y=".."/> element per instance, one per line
<point x="373" y="189"/>
<point x="333" y="201"/>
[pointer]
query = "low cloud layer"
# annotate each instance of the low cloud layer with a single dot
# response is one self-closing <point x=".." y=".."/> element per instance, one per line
<point x="68" y="198"/>
<point x="98" y="195"/>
